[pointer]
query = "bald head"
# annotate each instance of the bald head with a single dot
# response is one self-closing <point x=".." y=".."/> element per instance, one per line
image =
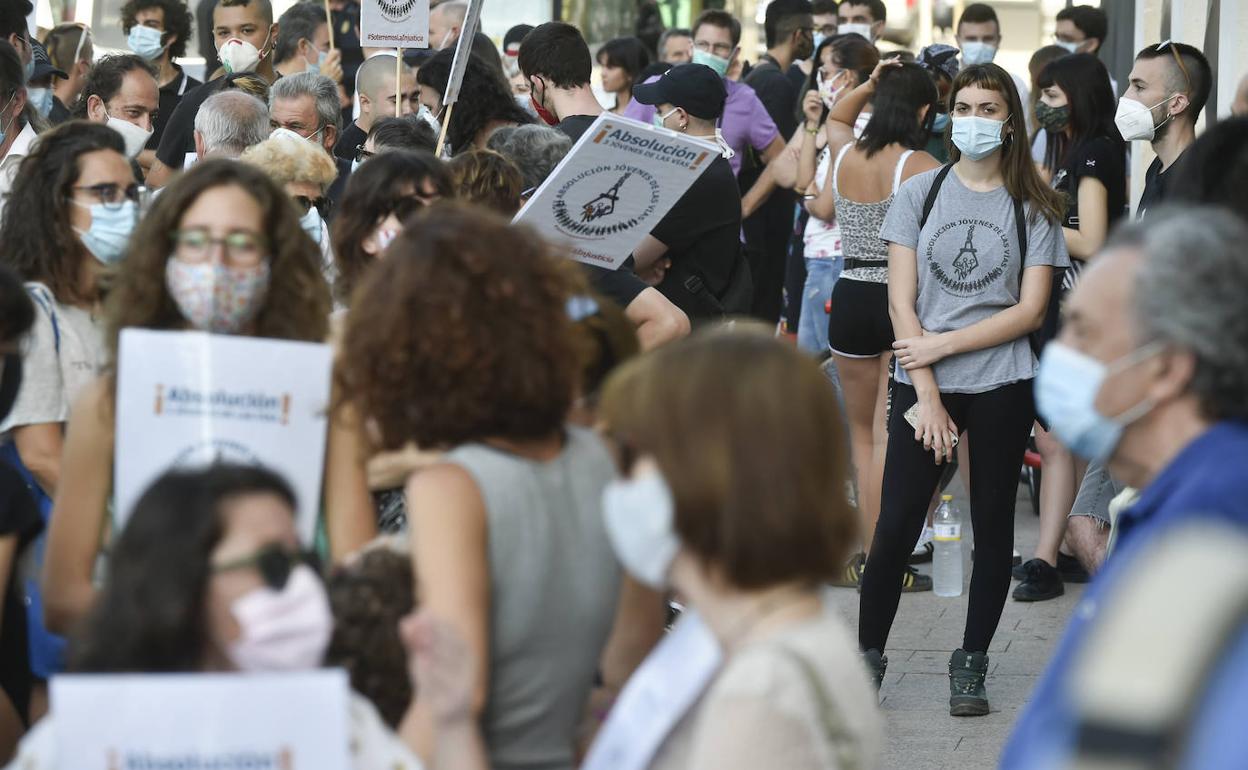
<point x="445" y="23"/>
<point x="374" y="84"/>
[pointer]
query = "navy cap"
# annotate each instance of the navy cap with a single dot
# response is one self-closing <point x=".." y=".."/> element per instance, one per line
<point x="43" y="64"/>
<point x="695" y="88"/>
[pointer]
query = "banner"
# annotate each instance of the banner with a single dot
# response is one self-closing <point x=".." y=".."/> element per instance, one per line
<point x="463" y="50"/>
<point x="187" y="399"/>
<point x="614" y="187"/>
<point x="394" y="23"/>
<point x="202" y="721"/>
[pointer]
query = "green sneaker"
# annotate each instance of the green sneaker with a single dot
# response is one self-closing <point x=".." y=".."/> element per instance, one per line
<point x="877" y="665"/>
<point x="967" y="696"/>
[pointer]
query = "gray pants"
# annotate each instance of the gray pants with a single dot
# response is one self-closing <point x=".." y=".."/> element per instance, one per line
<point x="1095" y="493"/>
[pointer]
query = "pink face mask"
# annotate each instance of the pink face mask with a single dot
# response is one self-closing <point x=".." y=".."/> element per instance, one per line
<point x="215" y="297"/>
<point x="286" y="630"/>
<point x="828" y="89"/>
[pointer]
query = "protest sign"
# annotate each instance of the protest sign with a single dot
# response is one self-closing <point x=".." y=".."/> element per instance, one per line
<point x="186" y="399"/>
<point x="394" y="23"/>
<point x="463" y="50"/>
<point x="294" y="721"/>
<point x="614" y="187"/>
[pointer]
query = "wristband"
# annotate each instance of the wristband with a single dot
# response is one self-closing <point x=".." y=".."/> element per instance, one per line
<point x="811" y="131"/>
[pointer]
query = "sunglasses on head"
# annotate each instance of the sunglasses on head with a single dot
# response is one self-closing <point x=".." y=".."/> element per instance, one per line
<point x="274" y="563"/>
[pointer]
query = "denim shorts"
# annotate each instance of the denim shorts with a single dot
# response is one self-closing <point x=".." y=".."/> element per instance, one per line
<point x="1095" y="493"/>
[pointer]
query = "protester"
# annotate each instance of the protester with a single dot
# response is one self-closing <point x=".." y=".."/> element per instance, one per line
<point x="507" y="533"/>
<point x="446" y="21"/>
<point x="245" y="35"/>
<point x="20" y="522"/>
<point x="484" y="103"/>
<point x="511" y="64"/>
<point x="535" y="150"/>
<point x="307" y="104"/>
<point x="1085" y="158"/>
<point x="39" y="85"/>
<point x="694" y="255"/>
<point x="823" y="15"/>
<point x="396" y="134"/>
<point x="1214" y="168"/>
<point x="70" y="214"/>
<point x="207" y="576"/>
<point x="979" y="37"/>
<point x="676" y="46"/>
<point x="122" y="92"/>
<point x="1035" y="65"/>
<point x="305" y="173"/>
<point x="157" y="31"/>
<point x="962" y="308"/>
<point x="745" y="123"/>
<point x="941" y="62"/>
<point x="1082" y="29"/>
<point x="225" y="230"/>
<point x="303" y="43"/>
<point x="16" y="133"/>
<point x="70" y="50"/>
<point x="1149" y="374"/>
<point x="860" y="332"/>
<point x="1167" y="89"/>
<point x="489" y="180"/>
<point x="15" y="32"/>
<point x="622" y="61"/>
<point x="747" y="541"/>
<point x="375" y="88"/>
<point x="556" y="62"/>
<point x="228" y="123"/>
<point x="866" y="18"/>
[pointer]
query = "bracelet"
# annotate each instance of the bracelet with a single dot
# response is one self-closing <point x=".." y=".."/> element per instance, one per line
<point x="811" y="131"/>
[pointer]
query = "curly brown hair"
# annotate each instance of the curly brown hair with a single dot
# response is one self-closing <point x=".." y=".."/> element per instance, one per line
<point x="462" y="333"/>
<point x="297" y="305"/>
<point x="489" y="179"/>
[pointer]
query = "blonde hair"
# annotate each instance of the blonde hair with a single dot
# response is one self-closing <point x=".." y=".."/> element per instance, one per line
<point x="286" y="160"/>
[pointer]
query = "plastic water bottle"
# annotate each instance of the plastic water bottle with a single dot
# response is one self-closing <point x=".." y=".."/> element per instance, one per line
<point x="947" y="560"/>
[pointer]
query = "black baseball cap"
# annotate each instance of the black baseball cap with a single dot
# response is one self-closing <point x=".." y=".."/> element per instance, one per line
<point x="695" y="88"/>
<point x="43" y="64"/>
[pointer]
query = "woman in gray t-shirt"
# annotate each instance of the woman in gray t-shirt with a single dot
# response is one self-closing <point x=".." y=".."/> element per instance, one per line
<point x="968" y="281"/>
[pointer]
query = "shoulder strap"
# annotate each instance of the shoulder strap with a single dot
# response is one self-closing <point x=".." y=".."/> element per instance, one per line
<point x="836" y="167"/>
<point x="838" y="734"/>
<point x="901" y="164"/>
<point x="932" y="192"/>
<point x="1020" y="221"/>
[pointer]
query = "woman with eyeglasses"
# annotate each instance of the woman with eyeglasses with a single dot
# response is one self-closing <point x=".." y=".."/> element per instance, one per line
<point x="220" y="251"/>
<point x="66" y="225"/>
<point x="306" y="173"/>
<point x="208" y="576"/>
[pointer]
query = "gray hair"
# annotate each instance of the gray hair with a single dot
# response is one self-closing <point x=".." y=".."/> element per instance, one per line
<point x="230" y="122"/>
<point x="671" y="33"/>
<point x="535" y="150"/>
<point x="323" y="90"/>
<point x="1190" y="294"/>
<point x="453" y="8"/>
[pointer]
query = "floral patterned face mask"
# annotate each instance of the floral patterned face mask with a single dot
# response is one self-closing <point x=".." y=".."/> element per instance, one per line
<point x="215" y="297"/>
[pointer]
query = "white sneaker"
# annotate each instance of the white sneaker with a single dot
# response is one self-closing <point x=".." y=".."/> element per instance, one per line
<point x="923" y="550"/>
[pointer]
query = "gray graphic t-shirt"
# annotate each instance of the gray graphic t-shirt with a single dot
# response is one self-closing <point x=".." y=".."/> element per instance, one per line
<point x="968" y="271"/>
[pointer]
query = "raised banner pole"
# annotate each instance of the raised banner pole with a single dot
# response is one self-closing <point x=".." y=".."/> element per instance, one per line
<point x="463" y="49"/>
<point x="329" y="24"/>
<point x="398" y="81"/>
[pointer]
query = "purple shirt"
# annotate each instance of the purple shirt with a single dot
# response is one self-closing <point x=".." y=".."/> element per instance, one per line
<point x="745" y="123"/>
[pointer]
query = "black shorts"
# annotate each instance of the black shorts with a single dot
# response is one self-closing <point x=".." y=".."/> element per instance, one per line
<point x="859" y="325"/>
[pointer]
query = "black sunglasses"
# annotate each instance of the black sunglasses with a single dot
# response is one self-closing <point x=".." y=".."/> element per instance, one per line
<point x="321" y="204"/>
<point x="274" y="563"/>
<point x="362" y="154"/>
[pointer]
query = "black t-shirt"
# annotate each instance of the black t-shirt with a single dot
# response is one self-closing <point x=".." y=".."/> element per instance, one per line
<point x="1156" y="186"/>
<point x="1103" y="159"/>
<point x="170" y="96"/>
<point x="702" y="233"/>
<point x="179" y="136"/>
<point x="20" y="519"/>
<point x="59" y="112"/>
<point x="575" y="126"/>
<point x="352" y="136"/>
<point x="777" y="93"/>
<point x="340" y="184"/>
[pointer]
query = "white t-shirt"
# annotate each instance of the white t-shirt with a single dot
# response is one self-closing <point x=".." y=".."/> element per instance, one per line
<point x="822" y="239"/>
<point x="63" y="354"/>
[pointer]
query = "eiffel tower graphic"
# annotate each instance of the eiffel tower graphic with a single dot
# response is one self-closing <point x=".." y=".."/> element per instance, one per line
<point x="968" y="258"/>
<point x="604" y="204"/>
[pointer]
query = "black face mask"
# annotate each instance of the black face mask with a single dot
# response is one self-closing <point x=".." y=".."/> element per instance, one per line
<point x="10" y="383"/>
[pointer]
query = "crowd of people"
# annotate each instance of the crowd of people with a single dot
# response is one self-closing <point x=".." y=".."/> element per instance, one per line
<point x="900" y="267"/>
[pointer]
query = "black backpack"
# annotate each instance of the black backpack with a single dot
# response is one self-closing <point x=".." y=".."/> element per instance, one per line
<point x="1048" y="330"/>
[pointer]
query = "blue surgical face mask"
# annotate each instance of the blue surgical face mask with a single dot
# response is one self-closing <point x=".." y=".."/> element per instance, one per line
<point x="660" y="121"/>
<point x="977" y="137"/>
<point x="321" y="56"/>
<point x="145" y="42"/>
<point x="940" y="122"/>
<point x="311" y="224"/>
<point x="28" y="70"/>
<point x="975" y="52"/>
<point x="1066" y="389"/>
<point x="819" y="38"/>
<point x="110" y="230"/>
<point x="717" y="63"/>
<point x="40" y="99"/>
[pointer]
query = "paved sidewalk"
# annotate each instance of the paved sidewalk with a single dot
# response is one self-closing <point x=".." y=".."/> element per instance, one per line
<point x="915" y="697"/>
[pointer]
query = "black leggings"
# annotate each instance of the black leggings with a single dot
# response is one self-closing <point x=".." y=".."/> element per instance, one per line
<point x="997" y="424"/>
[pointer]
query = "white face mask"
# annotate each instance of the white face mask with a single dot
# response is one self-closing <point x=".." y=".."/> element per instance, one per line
<point x="1135" y="121"/>
<point x="238" y="55"/>
<point x="640" y="518"/>
<point x="134" y="136"/>
<point x="975" y="52"/>
<point x="864" y="30"/>
<point x="977" y="137"/>
<point x="286" y="630"/>
<point x="1068" y="45"/>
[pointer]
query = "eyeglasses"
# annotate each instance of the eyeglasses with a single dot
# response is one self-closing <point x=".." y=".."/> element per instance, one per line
<point x="112" y="196"/>
<point x="242" y="248"/>
<point x="274" y="563"/>
<point x="321" y="204"/>
<point x="404" y="207"/>
<point x="362" y="154"/>
<point x="1163" y="45"/>
<point x="722" y="50"/>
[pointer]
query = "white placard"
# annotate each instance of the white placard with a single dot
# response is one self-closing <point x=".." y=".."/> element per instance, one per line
<point x="199" y="721"/>
<point x="463" y="50"/>
<point x="186" y="399"/>
<point x="394" y="23"/>
<point x="669" y="682"/>
<point x="617" y="183"/>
